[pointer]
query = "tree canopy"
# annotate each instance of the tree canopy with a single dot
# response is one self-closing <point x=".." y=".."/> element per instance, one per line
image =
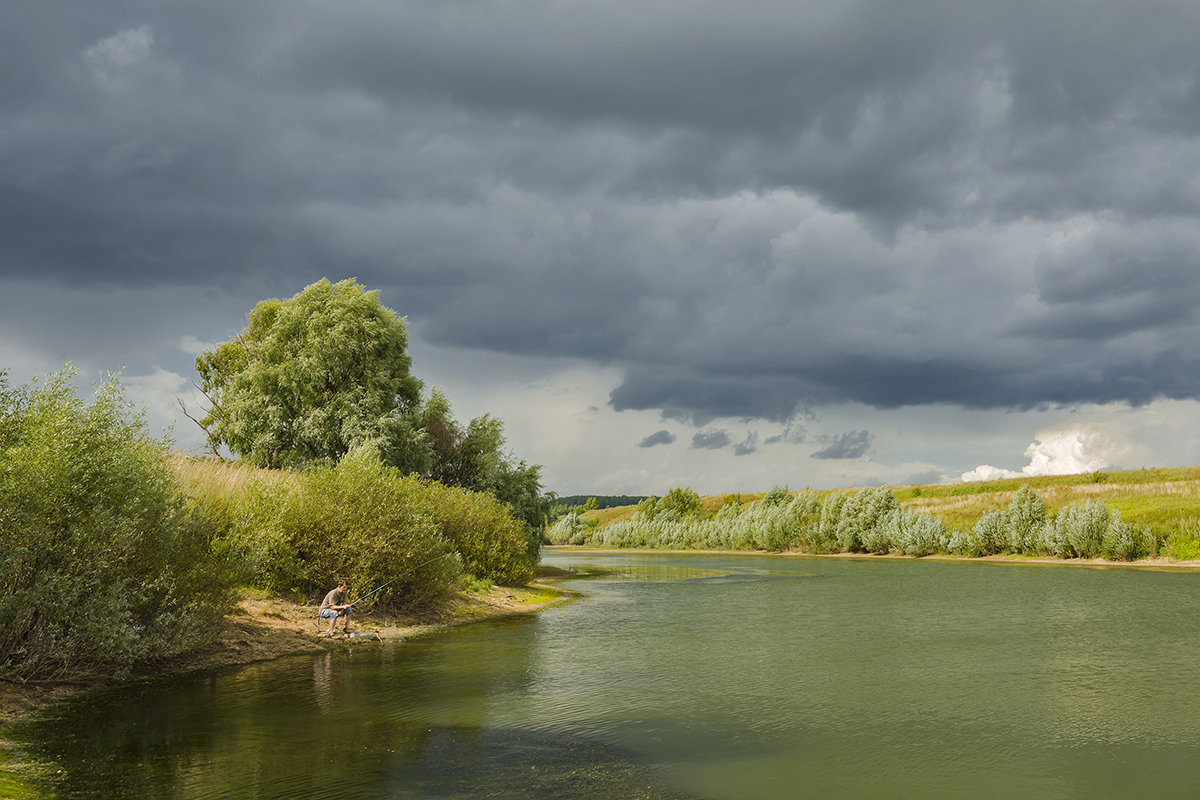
<point x="315" y="376"/>
<point x="311" y="377"/>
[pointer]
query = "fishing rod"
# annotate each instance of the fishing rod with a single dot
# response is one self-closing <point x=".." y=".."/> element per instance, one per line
<point x="393" y="580"/>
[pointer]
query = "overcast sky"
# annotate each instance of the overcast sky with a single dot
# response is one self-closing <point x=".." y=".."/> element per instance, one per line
<point x="719" y="245"/>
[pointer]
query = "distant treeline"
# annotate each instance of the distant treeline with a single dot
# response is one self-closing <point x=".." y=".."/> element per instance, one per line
<point x="602" y="500"/>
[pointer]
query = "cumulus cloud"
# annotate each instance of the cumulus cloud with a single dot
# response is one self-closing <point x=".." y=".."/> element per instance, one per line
<point x="658" y="437"/>
<point x="1063" y="453"/>
<point x="710" y="440"/>
<point x="851" y="444"/>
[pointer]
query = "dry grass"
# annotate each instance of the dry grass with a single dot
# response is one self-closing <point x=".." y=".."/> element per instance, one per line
<point x="215" y="478"/>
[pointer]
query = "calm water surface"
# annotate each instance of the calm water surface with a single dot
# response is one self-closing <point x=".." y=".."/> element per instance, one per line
<point x="685" y="676"/>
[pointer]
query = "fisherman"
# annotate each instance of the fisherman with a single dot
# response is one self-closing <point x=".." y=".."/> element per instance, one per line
<point x="333" y="606"/>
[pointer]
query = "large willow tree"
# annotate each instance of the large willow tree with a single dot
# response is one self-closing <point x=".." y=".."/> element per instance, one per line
<point x="313" y="376"/>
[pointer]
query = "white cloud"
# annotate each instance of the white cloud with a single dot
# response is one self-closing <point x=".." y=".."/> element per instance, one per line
<point x="156" y="393"/>
<point x="1066" y="452"/>
<point x="190" y="344"/>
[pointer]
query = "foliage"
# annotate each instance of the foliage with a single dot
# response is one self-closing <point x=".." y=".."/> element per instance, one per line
<point x="674" y="505"/>
<point x="568" y="530"/>
<point x="872" y="521"/>
<point x="916" y="534"/>
<point x="1092" y="530"/>
<point x="104" y="565"/>
<point x="326" y="371"/>
<point x="311" y="377"/>
<point x="859" y="525"/>
<point x="777" y="496"/>
<point x="1183" y="546"/>
<point x="490" y="538"/>
<point x="364" y="521"/>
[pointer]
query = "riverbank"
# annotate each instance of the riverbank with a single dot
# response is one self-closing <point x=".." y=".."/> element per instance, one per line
<point x="265" y="626"/>
<point x="1160" y="563"/>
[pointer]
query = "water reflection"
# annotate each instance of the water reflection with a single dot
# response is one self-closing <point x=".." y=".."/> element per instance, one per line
<point x="697" y="676"/>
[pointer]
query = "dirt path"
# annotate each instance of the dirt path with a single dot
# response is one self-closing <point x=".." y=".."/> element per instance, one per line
<point x="263" y="627"/>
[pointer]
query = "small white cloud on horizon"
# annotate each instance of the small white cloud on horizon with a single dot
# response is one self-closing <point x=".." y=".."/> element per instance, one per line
<point x="190" y="344"/>
<point x="1067" y="452"/>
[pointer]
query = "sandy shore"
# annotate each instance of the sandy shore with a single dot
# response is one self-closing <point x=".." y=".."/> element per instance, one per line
<point x="263" y="627"/>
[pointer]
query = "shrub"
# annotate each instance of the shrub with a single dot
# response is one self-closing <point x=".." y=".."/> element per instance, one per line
<point x="825" y="538"/>
<point x="1026" y="516"/>
<point x="916" y="534"/>
<point x="364" y="522"/>
<point x="678" y="503"/>
<point x="1183" y="545"/>
<point x="104" y="564"/>
<point x="777" y="496"/>
<point x="991" y="533"/>
<point x="1122" y="542"/>
<point x="964" y="543"/>
<point x="493" y="543"/>
<point x="1091" y="530"/>
<point x="861" y="516"/>
<point x="804" y="512"/>
<point x="568" y="530"/>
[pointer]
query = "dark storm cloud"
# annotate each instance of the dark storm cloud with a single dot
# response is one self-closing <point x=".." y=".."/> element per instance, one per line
<point x="852" y="444"/>
<point x="657" y="438"/>
<point x="710" y="440"/>
<point x="748" y="210"/>
<point x="746" y="446"/>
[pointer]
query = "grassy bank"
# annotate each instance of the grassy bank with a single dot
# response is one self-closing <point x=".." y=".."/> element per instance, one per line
<point x="1158" y="507"/>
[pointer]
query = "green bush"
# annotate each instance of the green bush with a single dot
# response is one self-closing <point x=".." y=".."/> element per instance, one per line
<point x="992" y="533"/>
<point x="777" y="496"/>
<point x="104" y="564"/>
<point x="917" y="534"/>
<point x="362" y="521"/>
<point x="493" y="543"/>
<point x="1183" y="545"/>
<point x="862" y="516"/>
<point x="568" y="530"/>
<point x="1026" y="516"/>
<point x="1091" y="530"/>
<point x="825" y="538"/>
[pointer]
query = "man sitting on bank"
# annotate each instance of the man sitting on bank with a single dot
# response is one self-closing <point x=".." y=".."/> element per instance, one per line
<point x="333" y="606"/>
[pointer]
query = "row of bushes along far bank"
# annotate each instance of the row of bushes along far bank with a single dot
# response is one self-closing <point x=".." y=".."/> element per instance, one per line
<point x="868" y="521"/>
<point x="115" y="553"/>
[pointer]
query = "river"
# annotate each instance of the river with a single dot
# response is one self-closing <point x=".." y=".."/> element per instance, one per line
<point x="696" y="676"/>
